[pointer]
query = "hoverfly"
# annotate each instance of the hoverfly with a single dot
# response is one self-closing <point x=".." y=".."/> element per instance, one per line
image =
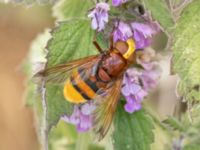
<point x="98" y="78"/>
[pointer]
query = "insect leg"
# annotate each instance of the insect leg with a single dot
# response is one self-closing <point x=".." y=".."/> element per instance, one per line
<point x="96" y="44"/>
<point x="111" y="40"/>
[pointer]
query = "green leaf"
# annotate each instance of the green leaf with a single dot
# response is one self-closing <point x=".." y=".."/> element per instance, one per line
<point x="70" y="40"/>
<point x="95" y="147"/>
<point x="192" y="147"/>
<point x="191" y="121"/>
<point x="162" y="137"/>
<point x="30" y="2"/>
<point x="83" y="141"/>
<point x="175" y="3"/>
<point x="67" y="9"/>
<point x="174" y="123"/>
<point x="162" y="140"/>
<point x="61" y="136"/>
<point x="132" y="131"/>
<point x="186" y="52"/>
<point x="56" y="104"/>
<point x="160" y="12"/>
<point x="65" y="136"/>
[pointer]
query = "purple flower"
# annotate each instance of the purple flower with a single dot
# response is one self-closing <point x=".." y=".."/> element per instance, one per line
<point x="137" y="83"/>
<point x="132" y="90"/>
<point x="81" y="117"/>
<point x="151" y="72"/>
<point x="140" y="32"/>
<point x="150" y="77"/>
<point x="118" y="2"/>
<point x="122" y="31"/>
<point x="99" y="16"/>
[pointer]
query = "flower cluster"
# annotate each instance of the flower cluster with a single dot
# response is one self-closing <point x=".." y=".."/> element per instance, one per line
<point x="138" y="81"/>
<point x="99" y="16"/>
<point x="81" y="117"/>
<point x="118" y="2"/>
<point x="140" y="32"/>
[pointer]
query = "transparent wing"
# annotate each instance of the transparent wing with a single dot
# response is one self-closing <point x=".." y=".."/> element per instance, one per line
<point x="106" y="107"/>
<point x="58" y="74"/>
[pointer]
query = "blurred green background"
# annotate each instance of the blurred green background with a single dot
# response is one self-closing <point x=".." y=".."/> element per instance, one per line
<point x="19" y="25"/>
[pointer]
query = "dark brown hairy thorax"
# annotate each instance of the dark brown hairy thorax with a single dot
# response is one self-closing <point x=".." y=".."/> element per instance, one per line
<point x="114" y="64"/>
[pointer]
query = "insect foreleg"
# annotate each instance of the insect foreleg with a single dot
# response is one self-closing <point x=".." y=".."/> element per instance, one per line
<point x="96" y="44"/>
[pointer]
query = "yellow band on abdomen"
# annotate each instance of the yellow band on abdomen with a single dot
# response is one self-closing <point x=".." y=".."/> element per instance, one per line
<point x="71" y="94"/>
<point x="85" y="88"/>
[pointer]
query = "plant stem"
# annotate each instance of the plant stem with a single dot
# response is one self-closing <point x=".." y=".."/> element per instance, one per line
<point x="83" y="141"/>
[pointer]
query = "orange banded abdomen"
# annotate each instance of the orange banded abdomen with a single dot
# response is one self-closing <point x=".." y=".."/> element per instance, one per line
<point x="78" y="89"/>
